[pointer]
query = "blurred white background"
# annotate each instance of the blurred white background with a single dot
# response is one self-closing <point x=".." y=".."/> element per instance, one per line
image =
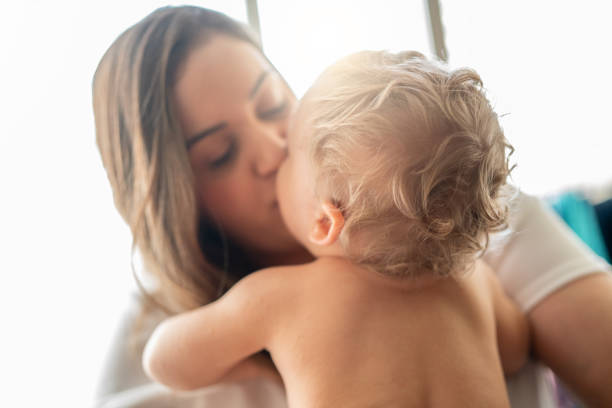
<point x="65" y="251"/>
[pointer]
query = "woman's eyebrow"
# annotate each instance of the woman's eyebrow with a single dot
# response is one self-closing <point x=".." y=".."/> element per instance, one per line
<point x="258" y="83"/>
<point x="205" y="133"/>
<point x="201" y="135"/>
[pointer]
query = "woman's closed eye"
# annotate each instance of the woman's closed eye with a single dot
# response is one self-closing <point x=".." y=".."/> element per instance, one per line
<point x="276" y="112"/>
<point x="225" y="157"/>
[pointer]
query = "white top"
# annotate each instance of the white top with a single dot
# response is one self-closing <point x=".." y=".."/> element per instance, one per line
<point x="539" y="254"/>
<point x="536" y="256"/>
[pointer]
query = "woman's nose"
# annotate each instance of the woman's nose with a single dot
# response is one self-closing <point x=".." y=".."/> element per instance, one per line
<point x="271" y="150"/>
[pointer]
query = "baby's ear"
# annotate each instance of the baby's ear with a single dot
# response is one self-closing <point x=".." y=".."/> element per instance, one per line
<point x="328" y="224"/>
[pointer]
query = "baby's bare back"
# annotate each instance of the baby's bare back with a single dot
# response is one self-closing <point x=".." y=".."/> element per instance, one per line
<point x="354" y="339"/>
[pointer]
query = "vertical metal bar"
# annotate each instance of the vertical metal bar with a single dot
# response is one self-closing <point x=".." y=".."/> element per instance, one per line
<point x="253" y="16"/>
<point x="436" y="30"/>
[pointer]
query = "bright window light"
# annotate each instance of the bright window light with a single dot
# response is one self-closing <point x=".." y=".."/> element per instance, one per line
<point x="303" y="37"/>
<point x="546" y="65"/>
<point x="65" y="251"/>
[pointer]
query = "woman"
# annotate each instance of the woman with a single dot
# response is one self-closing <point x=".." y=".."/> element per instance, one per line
<point x="190" y="122"/>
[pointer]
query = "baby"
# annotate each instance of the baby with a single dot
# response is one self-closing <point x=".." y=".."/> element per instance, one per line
<point x="393" y="181"/>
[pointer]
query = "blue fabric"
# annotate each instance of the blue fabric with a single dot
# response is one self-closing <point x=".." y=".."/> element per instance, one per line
<point x="580" y="216"/>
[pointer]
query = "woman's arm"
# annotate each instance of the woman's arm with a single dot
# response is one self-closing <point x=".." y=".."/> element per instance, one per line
<point x="559" y="283"/>
<point x="215" y="342"/>
<point x="572" y="334"/>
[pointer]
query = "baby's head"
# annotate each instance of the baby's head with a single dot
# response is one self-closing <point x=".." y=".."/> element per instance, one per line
<point x="396" y="163"/>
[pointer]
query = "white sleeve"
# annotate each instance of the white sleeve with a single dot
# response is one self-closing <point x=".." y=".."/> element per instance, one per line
<point x="538" y="254"/>
<point x="123" y="383"/>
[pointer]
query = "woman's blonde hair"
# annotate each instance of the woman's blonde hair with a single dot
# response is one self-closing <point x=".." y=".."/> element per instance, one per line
<point x="415" y="157"/>
<point x="145" y="157"/>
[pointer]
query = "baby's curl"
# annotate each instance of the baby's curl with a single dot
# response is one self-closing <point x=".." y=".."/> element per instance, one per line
<point x="414" y="155"/>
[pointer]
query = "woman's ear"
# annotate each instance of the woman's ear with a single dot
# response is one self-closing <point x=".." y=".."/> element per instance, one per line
<point x="328" y="224"/>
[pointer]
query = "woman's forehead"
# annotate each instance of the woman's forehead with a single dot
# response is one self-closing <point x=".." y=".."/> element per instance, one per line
<point x="216" y="79"/>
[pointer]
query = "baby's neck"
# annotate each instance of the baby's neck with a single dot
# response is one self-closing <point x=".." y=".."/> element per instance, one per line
<point x="408" y="283"/>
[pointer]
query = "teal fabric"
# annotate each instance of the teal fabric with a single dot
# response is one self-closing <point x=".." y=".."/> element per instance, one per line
<point x="580" y="216"/>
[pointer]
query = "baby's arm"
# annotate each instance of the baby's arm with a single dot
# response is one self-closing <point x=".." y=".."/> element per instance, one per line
<point x="511" y="324"/>
<point x="215" y="342"/>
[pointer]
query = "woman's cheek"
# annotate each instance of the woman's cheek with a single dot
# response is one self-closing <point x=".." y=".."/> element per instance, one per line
<point x="223" y="197"/>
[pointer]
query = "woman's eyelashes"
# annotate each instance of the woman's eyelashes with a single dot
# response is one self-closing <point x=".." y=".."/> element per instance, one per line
<point x="276" y="112"/>
<point x="224" y="158"/>
<point x="280" y="111"/>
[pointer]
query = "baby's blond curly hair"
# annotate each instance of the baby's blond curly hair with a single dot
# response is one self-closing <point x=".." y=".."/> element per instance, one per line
<point x="414" y="156"/>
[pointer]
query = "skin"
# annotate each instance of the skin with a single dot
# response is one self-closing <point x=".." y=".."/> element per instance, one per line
<point x="227" y="85"/>
<point x="302" y="212"/>
<point x="317" y="319"/>
<point x="572" y="334"/>
<point x="343" y="309"/>
<point x="572" y="328"/>
<point x="317" y="224"/>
